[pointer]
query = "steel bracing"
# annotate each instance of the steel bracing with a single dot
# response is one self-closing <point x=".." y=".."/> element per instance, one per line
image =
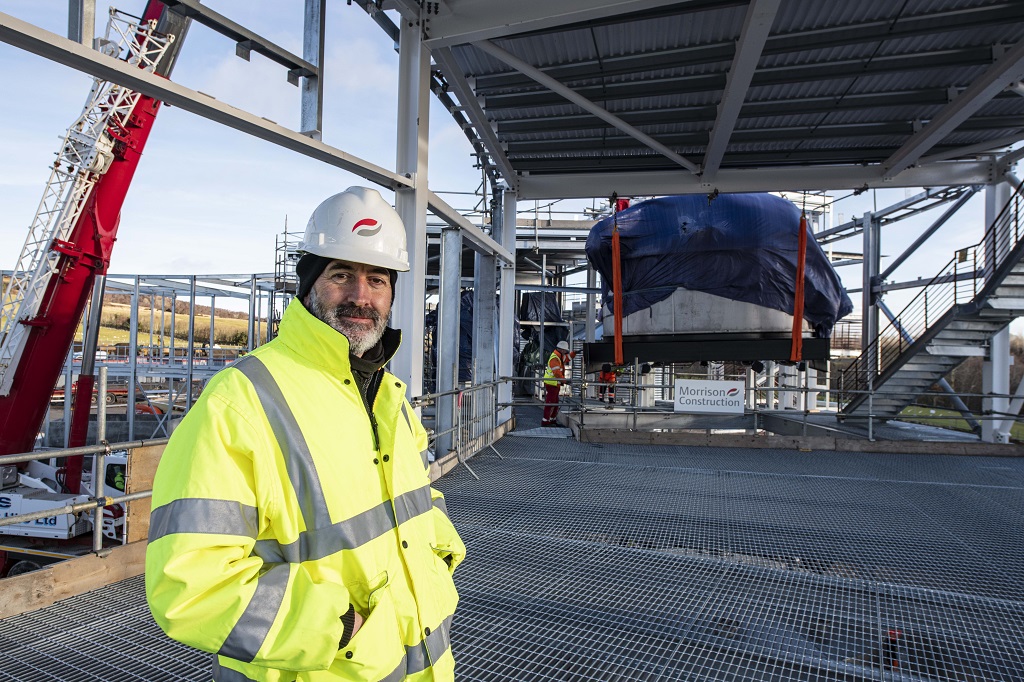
<point x="953" y="317"/>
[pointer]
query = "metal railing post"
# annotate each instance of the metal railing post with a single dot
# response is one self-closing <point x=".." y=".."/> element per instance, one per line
<point x="101" y="406"/>
<point x="98" y="492"/>
<point x="803" y="432"/>
<point x="871" y="409"/>
<point x="493" y="422"/>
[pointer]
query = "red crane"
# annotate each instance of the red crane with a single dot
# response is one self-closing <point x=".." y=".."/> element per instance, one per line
<point x="43" y="308"/>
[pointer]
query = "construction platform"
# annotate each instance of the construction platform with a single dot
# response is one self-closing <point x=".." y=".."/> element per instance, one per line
<point x="623" y="562"/>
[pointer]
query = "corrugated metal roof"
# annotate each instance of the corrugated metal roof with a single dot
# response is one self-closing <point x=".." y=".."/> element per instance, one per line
<point x="850" y="77"/>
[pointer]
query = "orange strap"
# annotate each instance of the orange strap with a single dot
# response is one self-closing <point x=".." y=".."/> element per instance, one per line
<point x="796" y="351"/>
<point x="617" y="290"/>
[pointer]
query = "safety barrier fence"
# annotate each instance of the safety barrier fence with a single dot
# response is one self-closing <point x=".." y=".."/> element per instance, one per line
<point x="474" y="423"/>
<point x="760" y="401"/>
<point x="98" y="501"/>
<point x="962" y="279"/>
<point x="474" y="428"/>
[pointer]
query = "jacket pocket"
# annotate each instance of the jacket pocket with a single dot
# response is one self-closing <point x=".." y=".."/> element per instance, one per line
<point x="447" y="595"/>
<point x="376" y="650"/>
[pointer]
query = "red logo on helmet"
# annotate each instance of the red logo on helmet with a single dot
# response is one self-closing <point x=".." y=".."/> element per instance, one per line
<point x="367" y="227"/>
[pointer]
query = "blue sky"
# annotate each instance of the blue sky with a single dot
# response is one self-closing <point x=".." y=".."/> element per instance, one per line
<point x="207" y="199"/>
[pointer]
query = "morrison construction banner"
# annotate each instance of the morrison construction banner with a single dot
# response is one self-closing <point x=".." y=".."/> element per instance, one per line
<point x="709" y="397"/>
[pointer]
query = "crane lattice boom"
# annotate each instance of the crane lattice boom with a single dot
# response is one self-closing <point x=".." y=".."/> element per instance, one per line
<point x="85" y="155"/>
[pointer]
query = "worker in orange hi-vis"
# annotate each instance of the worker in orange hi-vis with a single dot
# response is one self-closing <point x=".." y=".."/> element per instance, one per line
<point x="554" y="377"/>
<point x="607" y="377"/>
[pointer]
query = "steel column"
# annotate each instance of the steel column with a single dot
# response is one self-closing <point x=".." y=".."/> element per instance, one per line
<point x="190" y="367"/>
<point x="507" y="302"/>
<point x="591" y="301"/>
<point x="995" y="369"/>
<point x="82" y="21"/>
<point x="133" y="352"/>
<point x="251" y="331"/>
<point x="447" y="341"/>
<point x="872" y="264"/>
<point x="485" y="291"/>
<point x="411" y="203"/>
<point x="311" y="121"/>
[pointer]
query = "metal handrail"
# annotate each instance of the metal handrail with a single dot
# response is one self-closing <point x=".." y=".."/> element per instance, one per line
<point x="961" y="280"/>
<point x="476" y="410"/>
<point x="98" y="501"/>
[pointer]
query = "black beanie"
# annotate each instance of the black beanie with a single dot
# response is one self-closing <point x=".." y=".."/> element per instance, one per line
<point x="311" y="266"/>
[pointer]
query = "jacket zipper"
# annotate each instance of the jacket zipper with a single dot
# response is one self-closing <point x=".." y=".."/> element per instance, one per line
<point x="374" y="383"/>
<point x="376" y="438"/>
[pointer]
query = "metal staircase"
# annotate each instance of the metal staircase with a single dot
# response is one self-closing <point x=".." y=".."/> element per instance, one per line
<point x="979" y="292"/>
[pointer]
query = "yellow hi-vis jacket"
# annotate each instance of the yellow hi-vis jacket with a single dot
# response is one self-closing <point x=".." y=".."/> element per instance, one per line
<point x="554" y="373"/>
<point x="279" y="502"/>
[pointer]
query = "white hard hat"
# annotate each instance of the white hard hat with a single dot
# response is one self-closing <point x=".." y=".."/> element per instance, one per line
<point x="357" y="225"/>
<point x="562" y="345"/>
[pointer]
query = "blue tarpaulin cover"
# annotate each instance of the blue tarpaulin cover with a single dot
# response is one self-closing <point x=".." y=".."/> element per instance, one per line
<point x="739" y="246"/>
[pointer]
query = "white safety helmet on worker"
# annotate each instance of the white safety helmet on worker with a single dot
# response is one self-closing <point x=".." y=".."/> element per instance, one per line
<point x="359" y="226"/>
<point x="563" y="345"/>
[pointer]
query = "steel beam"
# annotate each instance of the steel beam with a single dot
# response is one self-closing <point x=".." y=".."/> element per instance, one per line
<point x="483" y="20"/>
<point x="56" y="48"/>
<point x="963" y="276"/>
<point x="471" y="108"/>
<point x="854" y="226"/>
<point x="995" y="14"/>
<point x="478" y="240"/>
<point x="582" y="102"/>
<point x="989" y="146"/>
<point x="246" y="40"/>
<point x="756" y="25"/>
<point x="926" y="235"/>
<point x="685" y="348"/>
<point x="658" y="83"/>
<point x="766" y="179"/>
<point x="554" y="289"/>
<point x="1007" y="69"/>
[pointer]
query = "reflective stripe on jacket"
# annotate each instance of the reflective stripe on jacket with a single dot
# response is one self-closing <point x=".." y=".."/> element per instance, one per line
<point x="555" y="369"/>
<point x="273" y="511"/>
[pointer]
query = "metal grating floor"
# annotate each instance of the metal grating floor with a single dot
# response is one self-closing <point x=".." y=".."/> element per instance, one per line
<point x="615" y="562"/>
<point x="104" y="636"/>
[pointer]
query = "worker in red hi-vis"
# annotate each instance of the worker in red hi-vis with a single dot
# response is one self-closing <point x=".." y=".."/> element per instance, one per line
<point x="607" y="377"/>
<point x="554" y="377"/>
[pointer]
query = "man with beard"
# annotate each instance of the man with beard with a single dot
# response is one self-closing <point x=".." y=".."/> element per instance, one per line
<point x="294" y="531"/>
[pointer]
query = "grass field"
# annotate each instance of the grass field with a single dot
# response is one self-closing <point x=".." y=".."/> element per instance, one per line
<point x="222" y="326"/>
<point x="948" y="419"/>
